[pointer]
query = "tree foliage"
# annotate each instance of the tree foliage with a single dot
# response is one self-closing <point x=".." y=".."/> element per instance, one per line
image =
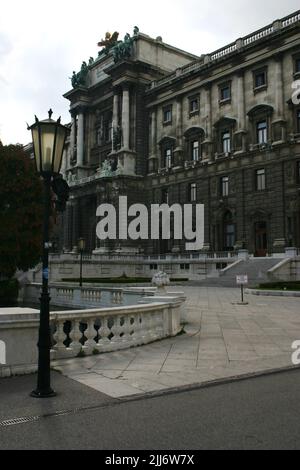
<point x="21" y="209"/>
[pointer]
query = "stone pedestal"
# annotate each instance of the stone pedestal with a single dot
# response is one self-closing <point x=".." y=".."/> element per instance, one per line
<point x="291" y="252"/>
<point x="243" y="254"/>
<point x="279" y="245"/>
<point x="126" y="163"/>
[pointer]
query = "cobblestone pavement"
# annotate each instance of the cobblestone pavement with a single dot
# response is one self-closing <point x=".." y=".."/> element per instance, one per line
<point x="223" y="340"/>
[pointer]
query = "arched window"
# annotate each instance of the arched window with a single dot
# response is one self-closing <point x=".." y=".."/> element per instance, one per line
<point x="193" y="144"/>
<point x="167" y="146"/>
<point x="224" y="130"/>
<point x="260" y="119"/>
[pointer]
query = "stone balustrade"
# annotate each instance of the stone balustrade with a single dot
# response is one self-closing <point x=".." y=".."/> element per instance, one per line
<point x="85" y="332"/>
<point x="231" y="48"/>
<point x="84" y="297"/>
<point x="98" y="331"/>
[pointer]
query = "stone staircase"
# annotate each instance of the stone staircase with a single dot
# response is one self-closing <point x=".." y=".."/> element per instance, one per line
<point x="256" y="269"/>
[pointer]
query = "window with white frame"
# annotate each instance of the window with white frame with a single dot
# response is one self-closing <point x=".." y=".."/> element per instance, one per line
<point x="262" y="132"/>
<point x="195" y="150"/>
<point x="226" y="141"/>
<point x="225" y="186"/>
<point x="168" y="158"/>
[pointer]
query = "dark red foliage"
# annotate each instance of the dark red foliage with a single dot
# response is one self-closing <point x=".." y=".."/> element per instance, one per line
<point x="21" y="209"/>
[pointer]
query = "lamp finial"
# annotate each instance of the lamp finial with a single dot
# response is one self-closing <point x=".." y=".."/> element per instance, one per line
<point x="50" y="112"/>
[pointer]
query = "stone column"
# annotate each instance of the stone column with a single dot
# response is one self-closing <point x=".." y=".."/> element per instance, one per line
<point x="207" y="144"/>
<point x="278" y="81"/>
<point x="279" y="122"/>
<point x="241" y="102"/>
<point x="72" y="137"/>
<point x="126" y="117"/>
<point x="240" y="141"/>
<point x="67" y="228"/>
<point x="75" y="222"/>
<point x="115" y="117"/>
<point x="153" y="146"/>
<point x="80" y="139"/>
<point x="178" y="152"/>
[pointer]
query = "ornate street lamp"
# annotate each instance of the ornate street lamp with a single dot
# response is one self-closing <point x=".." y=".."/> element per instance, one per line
<point x="81" y="246"/>
<point x="48" y="142"/>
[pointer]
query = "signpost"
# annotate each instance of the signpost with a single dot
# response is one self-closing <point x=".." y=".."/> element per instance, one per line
<point x="242" y="280"/>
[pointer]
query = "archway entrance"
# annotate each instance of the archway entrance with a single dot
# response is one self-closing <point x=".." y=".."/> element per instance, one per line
<point x="261" y="239"/>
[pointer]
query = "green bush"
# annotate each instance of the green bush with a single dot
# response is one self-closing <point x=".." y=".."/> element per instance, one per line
<point x="281" y="285"/>
<point x="117" y="280"/>
<point x="9" y="291"/>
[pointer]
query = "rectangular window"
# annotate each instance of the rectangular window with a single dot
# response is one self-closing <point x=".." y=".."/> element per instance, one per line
<point x="108" y="131"/>
<point x="226" y="142"/>
<point x="225" y="186"/>
<point x="261" y="180"/>
<point x="225" y="93"/>
<point x="153" y="267"/>
<point x="297" y="65"/>
<point x="165" y="196"/>
<point x="167" y="115"/>
<point x="193" y="192"/>
<point x="262" y="132"/>
<point x="298" y="172"/>
<point x="168" y="158"/>
<point x="298" y="121"/>
<point x="99" y="136"/>
<point x="184" y="267"/>
<point x="260" y="79"/>
<point x="194" y="105"/>
<point x="195" y="151"/>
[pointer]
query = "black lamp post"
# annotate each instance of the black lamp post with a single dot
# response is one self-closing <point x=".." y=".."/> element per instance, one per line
<point x="81" y="246"/>
<point x="49" y="138"/>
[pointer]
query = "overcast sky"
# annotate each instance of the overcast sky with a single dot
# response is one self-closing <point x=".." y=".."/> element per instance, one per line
<point x="42" y="42"/>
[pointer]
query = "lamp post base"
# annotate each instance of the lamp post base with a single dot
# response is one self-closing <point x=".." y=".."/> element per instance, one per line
<point x="43" y="394"/>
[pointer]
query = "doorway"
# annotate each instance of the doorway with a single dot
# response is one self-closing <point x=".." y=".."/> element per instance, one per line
<point x="261" y="239"/>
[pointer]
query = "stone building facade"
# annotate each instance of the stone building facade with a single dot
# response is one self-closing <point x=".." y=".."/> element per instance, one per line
<point x="160" y="125"/>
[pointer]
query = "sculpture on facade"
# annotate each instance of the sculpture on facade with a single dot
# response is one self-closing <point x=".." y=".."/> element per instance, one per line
<point x="106" y="169"/>
<point x="79" y="79"/>
<point x="110" y="41"/>
<point x="123" y="49"/>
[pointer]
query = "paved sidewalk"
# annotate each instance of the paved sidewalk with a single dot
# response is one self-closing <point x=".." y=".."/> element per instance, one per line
<point x="222" y="340"/>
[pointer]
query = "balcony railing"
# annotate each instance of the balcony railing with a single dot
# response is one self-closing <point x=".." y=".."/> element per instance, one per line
<point x="231" y="48"/>
<point x="139" y="258"/>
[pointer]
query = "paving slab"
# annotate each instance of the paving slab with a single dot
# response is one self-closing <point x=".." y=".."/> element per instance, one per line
<point x="222" y="341"/>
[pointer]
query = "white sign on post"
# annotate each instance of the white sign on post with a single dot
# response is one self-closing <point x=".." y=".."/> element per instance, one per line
<point x="242" y="280"/>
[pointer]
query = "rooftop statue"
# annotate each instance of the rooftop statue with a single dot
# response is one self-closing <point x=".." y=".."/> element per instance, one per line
<point x="123" y="49"/>
<point x="110" y="41"/>
<point x="79" y="79"/>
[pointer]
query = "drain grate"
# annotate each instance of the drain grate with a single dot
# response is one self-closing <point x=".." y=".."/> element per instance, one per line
<point x="15" y="421"/>
<point x="31" y="419"/>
